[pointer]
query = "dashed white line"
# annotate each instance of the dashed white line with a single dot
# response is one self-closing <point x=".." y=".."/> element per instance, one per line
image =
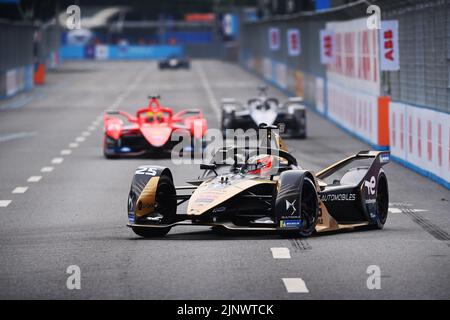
<point x="206" y="85"/>
<point x="80" y="139"/>
<point x="280" y="253"/>
<point x="4" y="203"/>
<point x="91" y="128"/>
<point x="34" y="178"/>
<point x="20" y="190"/>
<point x="47" y="169"/>
<point x="395" y="210"/>
<point x="73" y="145"/>
<point x="57" y="160"/>
<point x="85" y="133"/>
<point x="66" y="152"/>
<point x="295" y="285"/>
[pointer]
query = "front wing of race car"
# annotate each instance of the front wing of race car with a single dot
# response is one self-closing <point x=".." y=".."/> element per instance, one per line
<point x="133" y="144"/>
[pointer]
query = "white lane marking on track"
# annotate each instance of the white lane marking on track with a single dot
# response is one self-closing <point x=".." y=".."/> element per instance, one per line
<point x="295" y="285"/>
<point x="395" y="210"/>
<point x="80" y="139"/>
<point x="47" y="169"/>
<point x="281" y="253"/>
<point x="85" y="133"/>
<point x="57" y="160"/>
<point x="4" y="203"/>
<point x="34" y="178"/>
<point x="66" y="152"/>
<point x="20" y="190"/>
<point x="73" y="145"/>
<point x="91" y="128"/>
<point x="207" y="86"/>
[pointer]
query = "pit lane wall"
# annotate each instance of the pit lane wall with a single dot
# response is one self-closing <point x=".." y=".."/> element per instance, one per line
<point x="352" y="88"/>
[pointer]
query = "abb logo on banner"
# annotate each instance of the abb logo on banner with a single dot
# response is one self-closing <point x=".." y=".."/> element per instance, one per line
<point x="390" y="60"/>
<point x="274" y="39"/>
<point x="327" y="47"/>
<point x="294" y="44"/>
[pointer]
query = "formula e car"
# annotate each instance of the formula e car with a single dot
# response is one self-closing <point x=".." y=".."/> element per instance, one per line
<point x="291" y="115"/>
<point x="150" y="131"/>
<point x="263" y="189"/>
<point x="174" y="62"/>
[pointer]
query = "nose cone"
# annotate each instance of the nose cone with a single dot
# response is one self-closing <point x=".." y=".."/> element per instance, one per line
<point x="156" y="134"/>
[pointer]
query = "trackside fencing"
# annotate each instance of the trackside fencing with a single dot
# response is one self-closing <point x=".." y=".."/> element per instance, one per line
<point x="388" y="86"/>
<point x="27" y="51"/>
<point x="16" y="58"/>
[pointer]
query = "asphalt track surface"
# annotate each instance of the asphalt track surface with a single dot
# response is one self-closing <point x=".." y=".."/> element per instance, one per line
<point x="76" y="213"/>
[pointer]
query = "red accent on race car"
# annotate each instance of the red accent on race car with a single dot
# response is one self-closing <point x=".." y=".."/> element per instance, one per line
<point x="155" y="122"/>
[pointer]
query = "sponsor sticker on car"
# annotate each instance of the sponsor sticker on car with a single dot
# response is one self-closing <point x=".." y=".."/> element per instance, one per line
<point x="287" y="224"/>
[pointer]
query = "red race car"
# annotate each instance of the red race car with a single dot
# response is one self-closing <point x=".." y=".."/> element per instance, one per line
<point x="150" y="131"/>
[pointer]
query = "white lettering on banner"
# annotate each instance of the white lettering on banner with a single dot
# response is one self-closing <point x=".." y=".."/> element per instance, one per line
<point x="354" y="111"/>
<point x="294" y="42"/>
<point x="327" y="50"/>
<point x="274" y="39"/>
<point x="390" y="57"/>
<point x="356" y="56"/>
<point x="421" y="137"/>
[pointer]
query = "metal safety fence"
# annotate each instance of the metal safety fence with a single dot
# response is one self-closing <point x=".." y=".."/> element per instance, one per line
<point x="389" y="85"/>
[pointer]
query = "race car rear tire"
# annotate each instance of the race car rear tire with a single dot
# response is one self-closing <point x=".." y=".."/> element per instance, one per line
<point x="167" y="208"/>
<point x="382" y="203"/>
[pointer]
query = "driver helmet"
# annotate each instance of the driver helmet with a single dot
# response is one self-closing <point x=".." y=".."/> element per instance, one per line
<point x="263" y="163"/>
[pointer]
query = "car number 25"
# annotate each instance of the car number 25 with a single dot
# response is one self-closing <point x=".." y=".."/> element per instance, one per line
<point x="149" y="171"/>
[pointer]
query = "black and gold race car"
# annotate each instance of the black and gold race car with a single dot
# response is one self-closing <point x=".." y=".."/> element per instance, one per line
<point x="263" y="189"/>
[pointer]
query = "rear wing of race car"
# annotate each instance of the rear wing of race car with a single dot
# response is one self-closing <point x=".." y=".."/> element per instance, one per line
<point x="380" y="158"/>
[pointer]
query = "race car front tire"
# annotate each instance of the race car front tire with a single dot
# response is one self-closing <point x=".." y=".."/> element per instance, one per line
<point x="308" y="206"/>
<point x="166" y="206"/>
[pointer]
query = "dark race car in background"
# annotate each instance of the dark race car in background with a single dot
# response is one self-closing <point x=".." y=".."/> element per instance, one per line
<point x="290" y="116"/>
<point x="150" y="131"/>
<point x="174" y="62"/>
